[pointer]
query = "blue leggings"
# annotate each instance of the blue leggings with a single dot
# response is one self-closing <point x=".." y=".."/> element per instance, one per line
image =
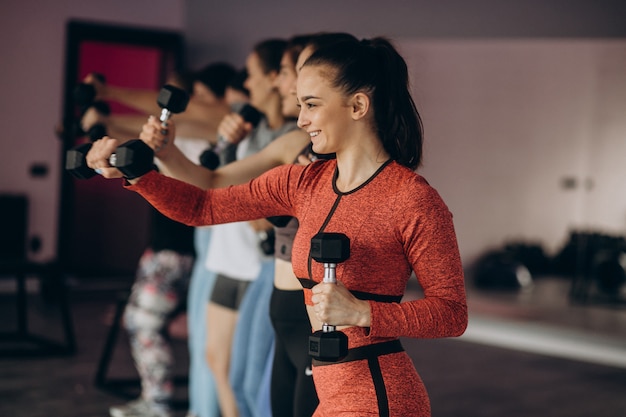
<point x="252" y="345"/>
<point x="203" y="400"/>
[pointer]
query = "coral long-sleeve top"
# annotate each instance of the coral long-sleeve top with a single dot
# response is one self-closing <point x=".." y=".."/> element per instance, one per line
<point x="396" y="222"/>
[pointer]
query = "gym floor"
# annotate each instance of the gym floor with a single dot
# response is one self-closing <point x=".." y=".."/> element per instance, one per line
<point x="525" y="353"/>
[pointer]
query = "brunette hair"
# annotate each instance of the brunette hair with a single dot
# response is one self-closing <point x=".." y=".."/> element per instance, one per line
<point x="295" y="45"/>
<point x="325" y="39"/>
<point x="215" y="76"/>
<point x="238" y="80"/>
<point x="374" y="67"/>
<point x="298" y="43"/>
<point x="270" y="52"/>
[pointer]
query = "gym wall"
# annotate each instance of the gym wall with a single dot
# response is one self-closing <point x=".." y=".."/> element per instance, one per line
<point x="32" y="75"/>
<point x="524" y="138"/>
<point x="522" y="101"/>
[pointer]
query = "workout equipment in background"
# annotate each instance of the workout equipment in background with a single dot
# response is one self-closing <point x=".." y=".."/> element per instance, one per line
<point x="210" y="158"/>
<point x="609" y="270"/>
<point x="501" y="270"/>
<point x="328" y="344"/>
<point x="596" y="263"/>
<point x="511" y="267"/>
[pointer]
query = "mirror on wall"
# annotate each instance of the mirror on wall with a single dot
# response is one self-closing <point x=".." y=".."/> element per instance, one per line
<point x="103" y="228"/>
<point x="525" y="140"/>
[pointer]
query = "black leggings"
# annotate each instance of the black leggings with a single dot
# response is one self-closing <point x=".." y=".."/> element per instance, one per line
<point x="292" y="389"/>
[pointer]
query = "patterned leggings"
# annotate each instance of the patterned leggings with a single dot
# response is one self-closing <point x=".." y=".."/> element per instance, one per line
<point x="159" y="288"/>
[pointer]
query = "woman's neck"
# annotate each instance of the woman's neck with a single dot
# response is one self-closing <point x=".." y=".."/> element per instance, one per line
<point x="273" y="113"/>
<point x="357" y="164"/>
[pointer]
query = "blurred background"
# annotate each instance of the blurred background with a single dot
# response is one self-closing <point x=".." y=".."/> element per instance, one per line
<point x="523" y="105"/>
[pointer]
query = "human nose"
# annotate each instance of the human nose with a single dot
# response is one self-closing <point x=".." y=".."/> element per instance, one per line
<point x="302" y="120"/>
<point x="292" y="87"/>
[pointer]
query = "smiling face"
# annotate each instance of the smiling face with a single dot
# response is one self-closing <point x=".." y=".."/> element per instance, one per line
<point x="325" y="113"/>
<point x="286" y="85"/>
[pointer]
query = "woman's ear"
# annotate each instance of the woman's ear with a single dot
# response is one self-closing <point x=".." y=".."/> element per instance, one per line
<point x="272" y="75"/>
<point x="360" y="104"/>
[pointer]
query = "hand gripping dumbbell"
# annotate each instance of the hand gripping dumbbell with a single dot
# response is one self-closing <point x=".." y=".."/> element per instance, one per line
<point x="134" y="158"/>
<point x="328" y="344"/>
<point x="210" y="158"/>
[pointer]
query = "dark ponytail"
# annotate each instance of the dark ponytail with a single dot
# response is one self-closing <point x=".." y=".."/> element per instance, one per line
<point x="375" y="68"/>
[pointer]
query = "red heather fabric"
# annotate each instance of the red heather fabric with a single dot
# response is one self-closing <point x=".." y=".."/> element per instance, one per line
<point x="397" y="223"/>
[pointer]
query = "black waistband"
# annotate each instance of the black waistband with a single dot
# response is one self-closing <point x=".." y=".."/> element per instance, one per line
<point x="309" y="283"/>
<point x="367" y="352"/>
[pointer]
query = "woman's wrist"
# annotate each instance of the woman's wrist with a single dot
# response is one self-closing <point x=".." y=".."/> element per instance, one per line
<point x="364" y="314"/>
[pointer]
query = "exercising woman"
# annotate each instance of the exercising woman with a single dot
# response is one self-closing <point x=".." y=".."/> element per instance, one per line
<point x="355" y="102"/>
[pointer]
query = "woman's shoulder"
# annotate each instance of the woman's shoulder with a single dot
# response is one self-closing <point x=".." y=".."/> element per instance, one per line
<point x="413" y="186"/>
<point x="405" y="176"/>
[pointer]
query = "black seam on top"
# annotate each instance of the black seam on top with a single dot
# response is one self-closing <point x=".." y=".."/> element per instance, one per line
<point x="336" y="175"/>
<point x="334" y="207"/>
<point x="328" y="217"/>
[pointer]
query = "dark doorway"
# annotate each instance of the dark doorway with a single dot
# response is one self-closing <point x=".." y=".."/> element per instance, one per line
<point x="103" y="228"/>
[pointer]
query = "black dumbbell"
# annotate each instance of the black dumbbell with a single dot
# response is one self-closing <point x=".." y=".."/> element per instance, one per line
<point x="250" y="114"/>
<point x="134" y="158"/>
<point x="210" y="158"/>
<point x="328" y="344"/>
<point x="172" y="100"/>
<point x="85" y="94"/>
<point x="98" y="130"/>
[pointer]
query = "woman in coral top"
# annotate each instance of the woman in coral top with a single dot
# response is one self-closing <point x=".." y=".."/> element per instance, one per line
<point x="355" y="102"/>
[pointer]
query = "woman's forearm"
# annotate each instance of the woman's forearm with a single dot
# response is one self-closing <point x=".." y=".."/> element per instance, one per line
<point x="178" y="166"/>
